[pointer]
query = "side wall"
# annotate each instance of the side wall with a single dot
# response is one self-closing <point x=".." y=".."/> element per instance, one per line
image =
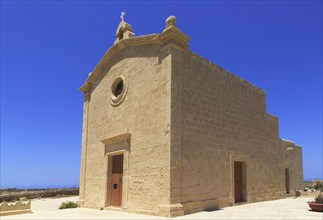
<point x="224" y="120"/>
<point x="294" y="162"/>
<point x="145" y="114"/>
<point x="296" y="168"/>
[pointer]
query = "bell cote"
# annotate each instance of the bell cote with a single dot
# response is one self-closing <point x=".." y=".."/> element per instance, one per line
<point x="124" y="30"/>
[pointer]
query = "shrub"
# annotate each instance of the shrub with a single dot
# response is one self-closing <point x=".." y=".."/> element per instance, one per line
<point x="319" y="198"/>
<point x="318" y="185"/>
<point x="308" y="184"/>
<point x="68" y="205"/>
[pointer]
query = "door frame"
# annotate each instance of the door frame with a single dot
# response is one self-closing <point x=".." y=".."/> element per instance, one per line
<point x="287" y="180"/>
<point x="238" y="175"/>
<point x="108" y="179"/>
<point x="114" y="145"/>
<point x="119" y="182"/>
<point x="245" y="161"/>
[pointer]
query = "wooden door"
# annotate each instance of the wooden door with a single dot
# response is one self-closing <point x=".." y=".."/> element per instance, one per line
<point x="287" y="185"/>
<point x="238" y="197"/>
<point x="116" y="180"/>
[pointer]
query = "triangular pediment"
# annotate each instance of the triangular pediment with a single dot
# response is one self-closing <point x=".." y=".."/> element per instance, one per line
<point x="171" y="35"/>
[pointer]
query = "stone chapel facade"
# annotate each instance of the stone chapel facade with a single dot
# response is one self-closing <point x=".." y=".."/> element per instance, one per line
<point x="166" y="132"/>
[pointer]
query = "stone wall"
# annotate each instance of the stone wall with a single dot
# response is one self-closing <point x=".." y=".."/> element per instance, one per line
<point x="224" y="119"/>
<point x="296" y="167"/>
<point x="294" y="163"/>
<point x="145" y="114"/>
<point x="14" y="208"/>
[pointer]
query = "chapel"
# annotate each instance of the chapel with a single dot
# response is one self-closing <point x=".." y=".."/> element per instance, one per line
<point x="167" y="132"/>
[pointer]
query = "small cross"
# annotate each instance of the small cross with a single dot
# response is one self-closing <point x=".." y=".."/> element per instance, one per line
<point x="122" y="15"/>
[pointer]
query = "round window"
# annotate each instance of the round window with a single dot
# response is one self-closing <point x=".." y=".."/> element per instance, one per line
<point x="118" y="90"/>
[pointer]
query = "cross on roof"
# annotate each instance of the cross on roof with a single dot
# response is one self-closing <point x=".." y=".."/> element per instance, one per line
<point x="122" y="15"/>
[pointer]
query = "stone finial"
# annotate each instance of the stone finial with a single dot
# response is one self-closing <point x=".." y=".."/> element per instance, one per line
<point x="171" y="21"/>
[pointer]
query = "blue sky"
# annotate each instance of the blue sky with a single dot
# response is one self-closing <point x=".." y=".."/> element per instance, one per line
<point x="48" y="48"/>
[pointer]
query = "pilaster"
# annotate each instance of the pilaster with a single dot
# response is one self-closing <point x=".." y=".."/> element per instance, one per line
<point x="87" y="97"/>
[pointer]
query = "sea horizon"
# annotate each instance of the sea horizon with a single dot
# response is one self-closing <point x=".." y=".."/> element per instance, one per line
<point x="40" y="187"/>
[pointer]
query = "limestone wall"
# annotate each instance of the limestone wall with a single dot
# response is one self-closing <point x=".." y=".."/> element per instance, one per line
<point x="19" y="207"/>
<point x="145" y="114"/>
<point x="296" y="168"/>
<point x="293" y="161"/>
<point x="224" y="119"/>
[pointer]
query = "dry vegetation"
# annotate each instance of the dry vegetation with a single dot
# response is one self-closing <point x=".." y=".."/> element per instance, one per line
<point x="315" y="185"/>
<point x="13" y="194"/>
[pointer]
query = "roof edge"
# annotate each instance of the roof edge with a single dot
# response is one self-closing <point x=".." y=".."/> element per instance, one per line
<point x="168" y="36"/>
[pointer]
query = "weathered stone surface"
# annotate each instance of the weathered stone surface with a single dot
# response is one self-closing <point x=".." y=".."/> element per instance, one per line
<point x="14" y="208"/>
<point x="181" y="125"/>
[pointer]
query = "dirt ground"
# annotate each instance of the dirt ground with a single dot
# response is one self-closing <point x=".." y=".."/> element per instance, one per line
<point x="289" y="208"/>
